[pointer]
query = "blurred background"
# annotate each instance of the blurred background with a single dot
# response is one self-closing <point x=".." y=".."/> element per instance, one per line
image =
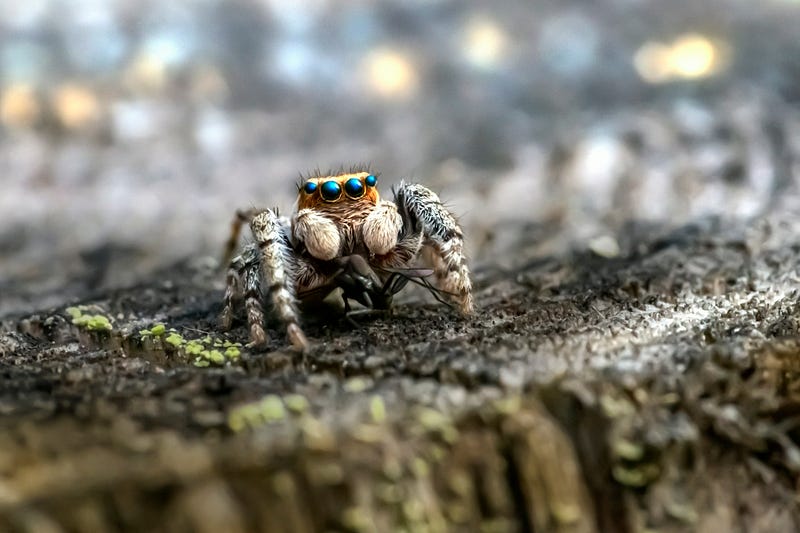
<point x="130" y="130"/>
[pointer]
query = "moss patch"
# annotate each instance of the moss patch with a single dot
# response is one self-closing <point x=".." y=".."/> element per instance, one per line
<point x="83" y="317"/>
<point x="205" y="351"/>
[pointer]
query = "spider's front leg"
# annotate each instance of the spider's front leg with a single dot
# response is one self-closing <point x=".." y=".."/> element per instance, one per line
<point x="421" y="209"/>
<point x="268" y="267"/>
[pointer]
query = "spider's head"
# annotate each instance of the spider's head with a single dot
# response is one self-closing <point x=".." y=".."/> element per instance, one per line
<point x="339" y="194"/>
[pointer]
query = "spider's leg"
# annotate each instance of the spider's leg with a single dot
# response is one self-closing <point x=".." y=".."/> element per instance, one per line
<point x="252" y="304"/>
<point x="279" y="269"/>
<point x="233" y="282"/>
<point x="241" y="217"/>
<point x="421" y="209"/>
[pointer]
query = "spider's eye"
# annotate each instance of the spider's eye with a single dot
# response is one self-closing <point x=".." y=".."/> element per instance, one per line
<point x="310" y="187"/>
<point x="371" y="180"/>
<point x="331" y="191"/>
<point x="354" y="188"/>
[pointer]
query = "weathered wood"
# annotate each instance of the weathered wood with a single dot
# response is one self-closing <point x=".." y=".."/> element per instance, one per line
<point x="655" y="391"/>
<point x="645" y="379"/>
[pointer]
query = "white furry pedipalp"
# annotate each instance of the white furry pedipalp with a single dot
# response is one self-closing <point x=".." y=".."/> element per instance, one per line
<point x="319" y="234"/>
<point x="381" y="228"/>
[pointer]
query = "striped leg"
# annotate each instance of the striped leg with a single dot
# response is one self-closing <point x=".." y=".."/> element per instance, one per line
<point x="244" y="279"/>
<point x="422" y="210"/>
<point x="278" y="272"/>
<point x="233" y="282"/>
<point x="269" y="268"/>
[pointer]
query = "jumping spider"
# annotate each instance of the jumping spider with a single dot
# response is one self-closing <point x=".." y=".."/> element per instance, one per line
<point x="344" y="236"/>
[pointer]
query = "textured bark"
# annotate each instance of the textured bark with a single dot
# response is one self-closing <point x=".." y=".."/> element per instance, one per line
<point x="655" y="390"/>
<point x="633" y="364"/>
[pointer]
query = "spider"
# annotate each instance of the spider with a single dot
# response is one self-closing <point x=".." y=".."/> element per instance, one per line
<point x="343" y="235"/>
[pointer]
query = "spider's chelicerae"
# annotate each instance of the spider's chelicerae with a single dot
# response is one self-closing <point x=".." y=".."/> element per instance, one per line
<point x="344" y="236"/>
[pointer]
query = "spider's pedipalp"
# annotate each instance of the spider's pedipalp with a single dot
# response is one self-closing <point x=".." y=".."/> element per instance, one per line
<point x="381" y="228"/>
<point x="422" y="210"/>
<point x="318" y="233"/>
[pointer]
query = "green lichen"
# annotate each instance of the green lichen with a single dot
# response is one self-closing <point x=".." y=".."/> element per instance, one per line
<point x="99" y="323"/>
<point x="92" y="322"/>
<point x="357" y="519"/>
<point x="214" y="356"/>
<point x="509" y="405"/>
<point x="296" y="403"/>
<point x="434" y="421"/>
<point x="377" y="409"/>
<point x="268" y="410"/>
<point x="420" y="467"/>
<point x="193" y="347"/>
<point x="175" y="340"/>
<point x="207" y="351"/>
<point x="212" y="351"/>
<point x="272" y="408"/>
<point x="232" y="352"/>
<point x="431" y="419"/>
<point x="245" y="416"/>
<point x="639" y="476"/>
<point x="627" y="450"/>
<point x="357" y="384"/>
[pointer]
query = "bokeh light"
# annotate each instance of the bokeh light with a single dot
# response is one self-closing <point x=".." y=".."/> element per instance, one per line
<point x="146" y="73"/>
<point x="485" y="42"/>
<point x="19" y="106"/>
<point x="391" y="73"/>
<point x="689" y="56"/>
<point x="76" y="106"/>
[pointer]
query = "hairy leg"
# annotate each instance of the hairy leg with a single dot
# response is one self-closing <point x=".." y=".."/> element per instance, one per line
<point x="271" y="234"/>
<point x="233" y="282"/>
<point x="422" y="210"/>
<point x="242" y="217"/>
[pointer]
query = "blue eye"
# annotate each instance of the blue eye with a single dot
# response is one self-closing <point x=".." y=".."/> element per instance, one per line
<point x="354" y="188"/>
<point x="331" y="191"/>
<point x="310" y="187"/>
<point x="371" y="180"/>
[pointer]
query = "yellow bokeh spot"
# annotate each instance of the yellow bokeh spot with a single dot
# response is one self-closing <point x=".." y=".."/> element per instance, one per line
<point x="76" y="106"/>
<point x="652" y="62"/>
<point x="19" y="107"/>
<point x="485" y="43"/>
<point x="390" y="74"/>
<point x="693" y="56"/>
<point x="146" y="73"/>
<point x="690" y="56"/>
